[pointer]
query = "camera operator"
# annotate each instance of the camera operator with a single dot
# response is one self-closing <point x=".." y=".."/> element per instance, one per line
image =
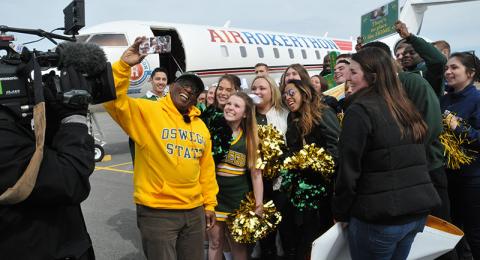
<point x="48" y="224"/>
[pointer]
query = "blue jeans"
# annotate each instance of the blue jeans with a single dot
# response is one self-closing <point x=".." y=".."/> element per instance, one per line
<point x="377" y="242"/>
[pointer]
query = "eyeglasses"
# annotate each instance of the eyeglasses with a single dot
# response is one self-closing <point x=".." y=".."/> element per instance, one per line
<point x="291" y="92"/>
<point x="190" y="80"/>
<point x="191" y="91"/>
<point x="194" y="91"/>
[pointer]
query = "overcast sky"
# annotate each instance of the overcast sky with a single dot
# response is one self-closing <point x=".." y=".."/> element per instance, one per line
<point x="456" y="23"/>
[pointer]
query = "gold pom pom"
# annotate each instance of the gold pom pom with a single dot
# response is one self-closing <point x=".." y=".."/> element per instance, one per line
<point x="247" y="227"/>
<point x="269" y="151"/>
<point x="311" y="157"/>
<point x="456" y="154"/>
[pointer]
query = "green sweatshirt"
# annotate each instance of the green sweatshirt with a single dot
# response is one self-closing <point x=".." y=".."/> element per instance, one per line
<point x="427" y="103"/>
<point x="433" y="67"/>
<point x="174" y="167"/>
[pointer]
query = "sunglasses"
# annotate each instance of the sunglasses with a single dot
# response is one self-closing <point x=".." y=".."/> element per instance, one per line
<point x="291" y="92"/>
<point x="193" y="91"/>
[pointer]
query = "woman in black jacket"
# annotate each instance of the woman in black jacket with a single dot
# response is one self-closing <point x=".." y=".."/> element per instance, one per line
<point x="383" y="189"/>
<point x="308" y="213"/>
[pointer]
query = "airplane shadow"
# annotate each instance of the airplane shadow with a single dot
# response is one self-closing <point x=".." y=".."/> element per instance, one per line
<point x="125" y="224"/>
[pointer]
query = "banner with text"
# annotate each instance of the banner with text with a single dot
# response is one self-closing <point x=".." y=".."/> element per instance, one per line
<point x="379" y="22"/>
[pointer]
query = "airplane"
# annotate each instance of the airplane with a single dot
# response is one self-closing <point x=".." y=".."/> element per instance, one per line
<point x="212" y="51"/>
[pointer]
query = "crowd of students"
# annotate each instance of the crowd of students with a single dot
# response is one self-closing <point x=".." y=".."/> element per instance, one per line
<point x="390" y="166"/>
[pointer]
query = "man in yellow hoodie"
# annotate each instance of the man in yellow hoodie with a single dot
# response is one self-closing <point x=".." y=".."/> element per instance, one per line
<point x="174" y="177"/>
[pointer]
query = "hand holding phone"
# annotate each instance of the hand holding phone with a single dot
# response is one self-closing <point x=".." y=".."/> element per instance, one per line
<point x="158" y="44"/>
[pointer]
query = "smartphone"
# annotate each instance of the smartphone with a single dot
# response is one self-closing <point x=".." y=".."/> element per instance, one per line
<point x="158" y="44"/>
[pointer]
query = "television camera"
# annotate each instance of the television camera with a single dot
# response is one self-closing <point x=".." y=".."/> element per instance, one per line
<point x="21" y="83"/>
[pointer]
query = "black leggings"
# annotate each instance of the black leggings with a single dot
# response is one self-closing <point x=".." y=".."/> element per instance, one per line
<point x="300" y="228"/>
<point x="465" y="206"/>
<point x="268" y="245"/>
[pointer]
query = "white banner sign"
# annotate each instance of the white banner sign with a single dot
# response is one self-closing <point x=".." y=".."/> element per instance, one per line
<point x="437" y="238"/>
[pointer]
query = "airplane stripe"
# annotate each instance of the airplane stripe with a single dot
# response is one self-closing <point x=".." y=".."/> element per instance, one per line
<point x="247" y="70"/>
<point x="344" y="45"/>
<point x="342" y="42"/>
<point x="270" y="67"/>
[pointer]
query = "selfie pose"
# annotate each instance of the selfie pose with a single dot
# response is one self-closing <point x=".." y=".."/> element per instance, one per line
<point x="174" y="176"/>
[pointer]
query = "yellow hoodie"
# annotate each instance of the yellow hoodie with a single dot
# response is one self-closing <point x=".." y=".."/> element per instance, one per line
<point x="174" y="168"/>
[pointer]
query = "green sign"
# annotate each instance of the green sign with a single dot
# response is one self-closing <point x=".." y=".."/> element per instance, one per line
<point x="1" y="88"/>
<point x="379" y="22"/>
<point x="330" y="77"/>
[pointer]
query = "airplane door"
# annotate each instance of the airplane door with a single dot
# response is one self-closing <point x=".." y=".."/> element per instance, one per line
<point x="175" y="61"/>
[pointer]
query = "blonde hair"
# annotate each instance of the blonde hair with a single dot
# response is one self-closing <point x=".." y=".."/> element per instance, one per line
<point x="276" y="96"/>
<point x="249" y="127"/>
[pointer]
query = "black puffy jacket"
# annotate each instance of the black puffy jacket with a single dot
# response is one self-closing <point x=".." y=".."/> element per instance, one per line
<point x="383" y="178"/>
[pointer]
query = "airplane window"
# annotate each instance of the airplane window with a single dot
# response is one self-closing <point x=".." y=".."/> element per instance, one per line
<point x="82" y="38"/>
<point x="290" y="52"/>
<point x="260" y="52"/>
<point x="224" y="50"/>
<point x="109" y="39"/>
<point x="317" y="53"/>
<point x="304" y="54"/>
<point x="276" y="53"/>
<point x="243" y="51"/>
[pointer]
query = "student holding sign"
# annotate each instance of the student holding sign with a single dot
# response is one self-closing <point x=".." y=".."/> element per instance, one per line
<point x="422" y="57"/>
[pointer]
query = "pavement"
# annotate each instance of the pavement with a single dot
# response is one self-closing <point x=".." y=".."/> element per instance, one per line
<point x="109" y="211"/>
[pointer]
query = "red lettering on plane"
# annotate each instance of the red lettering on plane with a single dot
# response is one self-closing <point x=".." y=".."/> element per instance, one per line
<point x="226" y="35"/>
<point x="236" y="36"/>
<point x="214" y="36"/>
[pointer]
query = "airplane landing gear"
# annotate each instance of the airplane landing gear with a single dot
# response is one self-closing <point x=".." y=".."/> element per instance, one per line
<point x="97" y="135"/>
<point x="99" y="153"/>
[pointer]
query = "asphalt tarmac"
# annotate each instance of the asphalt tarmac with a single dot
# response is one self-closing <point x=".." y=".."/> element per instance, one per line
<point x="109" y="211"/>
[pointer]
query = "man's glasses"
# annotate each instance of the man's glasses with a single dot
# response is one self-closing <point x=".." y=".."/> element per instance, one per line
<point x="194" y="91"/>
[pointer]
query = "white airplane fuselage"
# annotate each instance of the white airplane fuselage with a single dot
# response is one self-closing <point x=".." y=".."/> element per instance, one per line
<point x="211" y="52"/>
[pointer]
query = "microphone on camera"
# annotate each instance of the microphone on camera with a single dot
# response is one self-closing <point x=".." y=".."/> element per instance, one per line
<point x="86" y="58"/>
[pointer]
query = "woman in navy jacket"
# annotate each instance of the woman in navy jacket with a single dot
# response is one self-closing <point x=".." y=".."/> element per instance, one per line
<point x="463" y="101"/>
